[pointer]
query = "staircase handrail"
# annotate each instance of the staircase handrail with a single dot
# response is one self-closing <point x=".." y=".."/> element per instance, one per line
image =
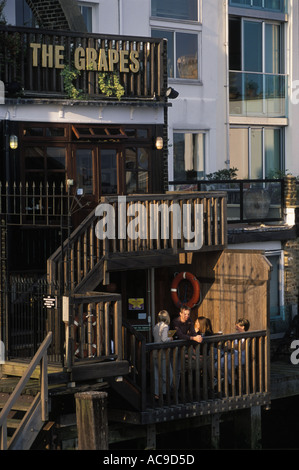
<point x="39" y="357"/>
<point x="88" y="249"/>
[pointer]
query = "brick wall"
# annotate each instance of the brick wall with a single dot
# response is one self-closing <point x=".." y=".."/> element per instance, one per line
<point x="291" y="249"/>
<point x="58" y="14"/>
<point x="49" y="14"/>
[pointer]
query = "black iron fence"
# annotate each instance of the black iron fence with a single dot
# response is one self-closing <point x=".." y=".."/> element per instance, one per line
<point x="247" y="200"/>
<point x="34" y="204"/>
<point x="28" y="318"/>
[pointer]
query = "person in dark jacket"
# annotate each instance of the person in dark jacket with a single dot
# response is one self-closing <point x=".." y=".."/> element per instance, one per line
<point x="184" y="326"/>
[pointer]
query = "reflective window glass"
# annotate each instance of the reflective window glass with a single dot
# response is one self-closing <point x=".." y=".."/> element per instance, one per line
<point x="189" y="155"/>
<point x="108" y="171"/>
<point x="186" y="10"/>
<point x="84" y="170"/>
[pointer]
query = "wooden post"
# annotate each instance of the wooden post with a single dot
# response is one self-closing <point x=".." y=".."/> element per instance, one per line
<point x="150" y="437"/>
<point x="215" y="431"/>
<point x="248" y="428"/>
<point x="92" y="420"/>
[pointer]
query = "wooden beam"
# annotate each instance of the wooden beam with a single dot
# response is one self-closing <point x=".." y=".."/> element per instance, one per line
<point x="88" y="371"/>
<point x="92" y="420"/>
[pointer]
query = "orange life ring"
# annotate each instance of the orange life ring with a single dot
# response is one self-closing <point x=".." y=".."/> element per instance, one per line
<point x="77" y="345"/>
<point x="195" y="285"/>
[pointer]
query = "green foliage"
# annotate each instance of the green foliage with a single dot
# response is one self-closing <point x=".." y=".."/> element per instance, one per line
<point x="110" y="86"/>
<point x="278" y="174"/>
<point x="69" y="76"/>
<point x="224" y="174"/>
<point x="2" y="17"/>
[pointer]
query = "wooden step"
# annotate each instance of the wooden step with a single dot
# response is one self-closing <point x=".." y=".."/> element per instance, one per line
<point x="8" y="384"/>
<point x="13" y="423"/>
<point x="22" y="404"/>
<point x="19" y="367"/>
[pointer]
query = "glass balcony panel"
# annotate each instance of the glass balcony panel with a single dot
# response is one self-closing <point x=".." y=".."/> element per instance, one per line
<point x="257" y="94"/>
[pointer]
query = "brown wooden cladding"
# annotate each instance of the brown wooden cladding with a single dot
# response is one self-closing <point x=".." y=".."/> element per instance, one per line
<point x="24" y="62"/>
<point x="234" y="284"/>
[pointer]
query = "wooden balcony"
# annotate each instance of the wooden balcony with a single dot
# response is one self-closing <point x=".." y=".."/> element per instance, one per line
<point x="167" y="227"/>
<point x="194" y="380"/>
<point x="33" y="63"/>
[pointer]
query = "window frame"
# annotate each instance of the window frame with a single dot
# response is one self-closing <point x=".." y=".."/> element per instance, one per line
<point x="92" y="7"/>
<point x="249" y="129"/>
<point x="175" y="31"/>
<point x="181" y="20"/>
<point x="263" y="22"/>
<point x="205" y="143"/>
<point x="281" y="279"/>
<point x="282" y="9"/>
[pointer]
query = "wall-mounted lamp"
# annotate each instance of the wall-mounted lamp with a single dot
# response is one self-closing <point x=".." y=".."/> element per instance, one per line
<point x="13" y="142"/>
<point x="171" y="93"/>
<point x="159" y="143"/>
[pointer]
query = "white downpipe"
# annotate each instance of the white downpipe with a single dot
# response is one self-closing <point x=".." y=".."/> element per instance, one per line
<point x="227" y="161"/>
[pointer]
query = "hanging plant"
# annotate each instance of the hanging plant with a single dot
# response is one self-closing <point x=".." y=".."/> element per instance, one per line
<point x="69" y="76"/>
<point x="110" y="86"/>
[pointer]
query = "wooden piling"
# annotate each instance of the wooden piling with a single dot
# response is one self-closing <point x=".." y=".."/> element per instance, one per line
<point x="92" y="420"/>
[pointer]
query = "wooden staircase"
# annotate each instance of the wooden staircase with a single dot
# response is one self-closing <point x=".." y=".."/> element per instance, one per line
<point x="86" y="258"/>
<point x="23" y="414"/>
<point x="18" y="410"/>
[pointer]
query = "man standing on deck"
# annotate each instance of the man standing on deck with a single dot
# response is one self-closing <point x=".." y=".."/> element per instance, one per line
<point x="184" y="326"/>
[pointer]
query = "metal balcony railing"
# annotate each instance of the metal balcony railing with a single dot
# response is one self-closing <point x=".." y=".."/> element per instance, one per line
<point x="247" y="200"/>
<point x="257" y="94"/>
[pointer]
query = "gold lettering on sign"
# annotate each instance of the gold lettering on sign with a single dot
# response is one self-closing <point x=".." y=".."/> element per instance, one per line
<point x="134" y="66"/>
<point x="86" y="59"/>
<point x="79" y="58"/>
<point x="91" y="58"/>
<point x="48" y="53"/>
<point x="102" y="63"/>
<point x="59" y="57"/>
<point x="35" y="48"/>
<point x="123" y="61"/>
<point x="113" y="58"/>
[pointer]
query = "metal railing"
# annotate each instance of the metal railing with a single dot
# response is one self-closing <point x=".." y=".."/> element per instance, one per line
<point x="257" y="94"/>
<point x="248" y="200"/>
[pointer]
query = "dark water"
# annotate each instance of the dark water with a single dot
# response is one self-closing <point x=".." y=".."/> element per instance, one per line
<point x="280" y="431"/>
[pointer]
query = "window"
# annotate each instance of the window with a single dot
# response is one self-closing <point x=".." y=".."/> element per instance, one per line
<point x="45" y="164"/>
<point x="271" y="5"/>
<point x="108" y="165"/>
<point x="256" y="151"/>
<point x="276" y="282"/>
<point x="255" y="46"/>
<point x="87" y="16"/>
<point x="84" y="170"/>
<point x="188" y="155"/>
<point x="137" y="169"/>
<point x="24" y="15"/>
<point x="176" y="9"/>
<point x="182" y="53"/>
<point x="256" y="62"/>
<point x="100" y="159"/>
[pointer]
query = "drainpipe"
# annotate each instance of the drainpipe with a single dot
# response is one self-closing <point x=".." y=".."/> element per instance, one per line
<point x="227" y="161"/>
<point x="120" y="15"/>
